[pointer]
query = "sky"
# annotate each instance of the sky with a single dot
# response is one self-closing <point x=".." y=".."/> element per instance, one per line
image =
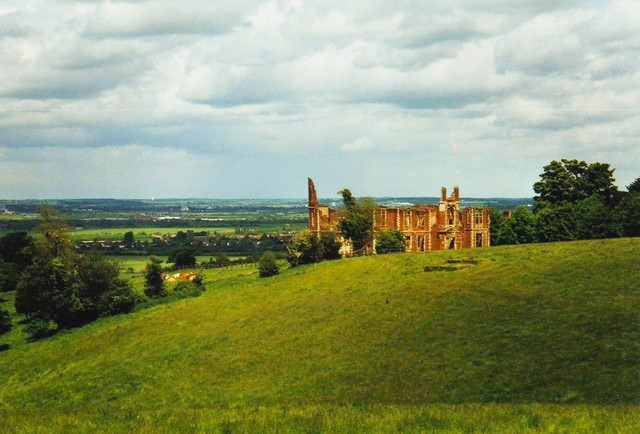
<point x="246" y="99"/>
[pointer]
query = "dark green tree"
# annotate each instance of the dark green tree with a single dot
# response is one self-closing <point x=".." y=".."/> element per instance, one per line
<point x="522" y="222"/>
<point x="68" y="288"/>
<point x="9" y="276"/>
<point x="390" y="241"/>
<point x="101" y="288"/>
<point x="40" y="283"/>
<point x="267" y="265"/>
<point x="569" y="181"/>
<point x="304" y="248"/>
<point x="356" y="223"/>
<point x="15" y="248"/>
<point x="5" y="321"/>
<point x="556" y="185"/>
<point x="330" y="245"/>
<point x="55" y="232"/>
<point x="222" y="260"/>
<point x="594" y="219"/>
<point x="634" y="187"/>
<point x="496" y="222"/>
<point x="518" y="229"/>
<point x="628" y="212"/>
<point x="153" y="281"/>
<point x="556" y="223"/>
<point x="182" y="257"/>
<point x="505" y="235"/>
<point x="128" y="239"/>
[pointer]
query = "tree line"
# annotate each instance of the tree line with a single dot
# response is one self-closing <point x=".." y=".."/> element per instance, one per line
<point x="56" y="287"/>
<point x="575" y="200"/>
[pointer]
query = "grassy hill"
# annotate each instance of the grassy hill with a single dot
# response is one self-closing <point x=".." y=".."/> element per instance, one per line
<point x="520" y="339"/>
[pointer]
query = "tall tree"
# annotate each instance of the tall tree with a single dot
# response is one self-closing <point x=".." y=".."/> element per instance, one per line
<point x="5" y="321"/>
<point x="65" y="287"/>
<point x="153" y="282"/>
<point x="569" y="181"/>
<point x="517" y="229"/>
<point x="128" y="239"/>
<point x="628" y="211"/>
<point x="15" y="249"/>
<point x="56" y="233"/>
<point x="634" y="187"/>
<point x="356" y="223"/>
<point x="391" y="240"/>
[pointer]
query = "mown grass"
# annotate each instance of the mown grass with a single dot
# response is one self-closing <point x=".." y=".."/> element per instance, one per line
<point x="531" y="338"/>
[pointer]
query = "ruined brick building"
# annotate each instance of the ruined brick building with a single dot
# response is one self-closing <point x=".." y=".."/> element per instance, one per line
<point x="425" y="227"/>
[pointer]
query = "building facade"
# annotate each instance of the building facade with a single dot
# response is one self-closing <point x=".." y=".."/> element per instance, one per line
<point x="425" y="227"/>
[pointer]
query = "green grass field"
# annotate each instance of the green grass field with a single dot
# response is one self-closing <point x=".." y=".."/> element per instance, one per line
<point x="139" y="234"/>
<point x="535" y="338"/>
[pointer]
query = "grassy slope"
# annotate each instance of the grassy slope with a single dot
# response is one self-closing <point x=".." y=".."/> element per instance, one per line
<point x="553" y="323"/>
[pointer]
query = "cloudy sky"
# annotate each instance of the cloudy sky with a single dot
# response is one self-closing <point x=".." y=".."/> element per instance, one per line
<point x="226" y="98"/>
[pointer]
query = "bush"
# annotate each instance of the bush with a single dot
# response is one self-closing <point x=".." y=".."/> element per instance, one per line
<point x="198" y="281"/>
<point x="39" y="328"/>
<point x="187" y="289"/>
<point x="305" y="248"/>
<point x="121" y="299"/>
<point x="330" y="245"/>
<point x="153" y="282"/>
<point x="391" y="241"/>
<point x="267" y="265"/>
<point x="5" y="321"/>
<point x="182" y="257"/>
<point x="9" y="276"/>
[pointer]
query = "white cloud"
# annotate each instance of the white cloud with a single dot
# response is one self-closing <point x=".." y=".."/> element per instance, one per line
<point x="361" y="144"/>
<point x="274" y="82"/>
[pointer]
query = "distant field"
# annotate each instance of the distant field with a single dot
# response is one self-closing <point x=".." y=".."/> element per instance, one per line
<point x="146" y="233"/>
<point x="139" y="234"/>
<point x="139" y="262"/>
<point x="531" y="338"/>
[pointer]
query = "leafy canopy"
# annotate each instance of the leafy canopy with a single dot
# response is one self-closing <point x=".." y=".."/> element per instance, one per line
<point x="356" y="223"/>
<point x="569" y="181"/>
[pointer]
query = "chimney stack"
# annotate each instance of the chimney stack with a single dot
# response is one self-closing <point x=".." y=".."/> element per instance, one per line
<point x="313" y="198"/>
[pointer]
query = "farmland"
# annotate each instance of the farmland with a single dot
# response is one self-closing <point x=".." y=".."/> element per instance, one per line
<point x="516" y="339"/>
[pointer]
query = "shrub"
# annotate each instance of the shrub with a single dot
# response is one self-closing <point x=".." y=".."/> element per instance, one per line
<point x="390" y="241"/>
<point x="330" y="245"/>
<point x="267" y="265"/>
<point x="9" y="276"/>
<point x="5" y="321"/>
<point x="120" y="299"/>
<point x="187" y="289"/>
<point x="39" y="328"/>
<point x="305" y="248"/>
<point x="198" y="281"/>
<point x="182" y="257"/>
<point x="153" y="282"/>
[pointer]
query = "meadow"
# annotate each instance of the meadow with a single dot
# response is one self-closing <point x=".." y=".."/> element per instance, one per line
<point x="140" y="233"/>
<point x="535" y="338"/>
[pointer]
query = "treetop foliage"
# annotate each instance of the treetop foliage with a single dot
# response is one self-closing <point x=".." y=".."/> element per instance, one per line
<point x="153" y="282"/>
<point x="306" y="248"/>
<point x="65" y="287"/>
<point x="576" y="200"/>
<point x="267" y="265"/>
<point x="634" y="187"/>
<point x="569" y="181"/>
<point x="390" y="241"/>
<point x="356" y="223"/>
